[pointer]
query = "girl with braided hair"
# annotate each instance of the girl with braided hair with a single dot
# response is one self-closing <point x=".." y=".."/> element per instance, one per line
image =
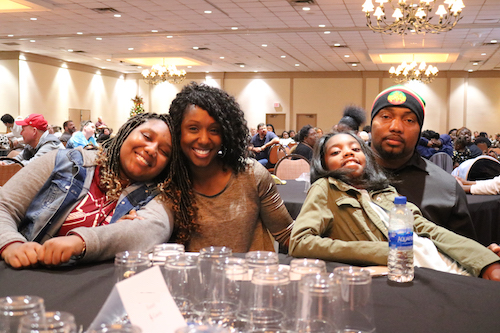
<point x="234" y="201"/>
<point x="87" y="204"/>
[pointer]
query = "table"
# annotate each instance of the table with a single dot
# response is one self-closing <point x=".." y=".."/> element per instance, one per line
<point x="433" y="302"/>
<point x="484" y="210"/>
<point x="485" y="213"/>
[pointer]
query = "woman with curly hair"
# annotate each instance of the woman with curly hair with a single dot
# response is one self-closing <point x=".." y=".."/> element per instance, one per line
<point x="234" y="200"/>
<point x="66" y="203"/>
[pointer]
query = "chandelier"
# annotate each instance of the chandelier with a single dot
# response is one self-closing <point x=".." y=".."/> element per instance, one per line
<point x="408" y="72"/>
<point x="415" y="18"/>
<point x="161" y="73"/>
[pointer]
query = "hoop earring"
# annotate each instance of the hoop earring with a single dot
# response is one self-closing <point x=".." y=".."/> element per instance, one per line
<point x="222" y="152"/>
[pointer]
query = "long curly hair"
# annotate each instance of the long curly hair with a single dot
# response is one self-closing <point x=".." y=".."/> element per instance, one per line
<point x="373" y="177"/>
<point x="226" y="111"/>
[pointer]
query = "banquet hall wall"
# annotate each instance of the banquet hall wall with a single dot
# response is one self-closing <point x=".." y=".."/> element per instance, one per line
<point x="40" y="85"/>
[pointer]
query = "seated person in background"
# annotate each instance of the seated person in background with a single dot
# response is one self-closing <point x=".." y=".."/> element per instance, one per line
<point x="319" y="131"/>
<point x="453" y="134"/>
<point x="483" y="143"/>
<point x="57" y="131"/>
<point x="13" y="131"/>
<point x="235" y="202"/>
<point x="431" y="143"/>
<point x="285" y="139"/>
<point x="270" y="128"/>
<point x="84" y="137"/>
<point x="465" y="149"/>
<point x="106" y="133"/>
<point x="495" y="143"/>
<point x="38" y="141"/>
<point x="89" y="191"/>
<point x="352" y="119"/>
<point x="69" y="129"/>
<point x="293" y="135"/>
<point x="397" y="118"/>
<point x="99" y="125"/>
<point x="261" y="142"/>
<point x="345" y="217"/>
<point x="307" y="138"/>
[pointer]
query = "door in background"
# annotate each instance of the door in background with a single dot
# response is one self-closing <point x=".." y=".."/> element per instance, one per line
<point x="78" y="115"/>
<point x="304" y="119"/>
<point x="278" y="121"/>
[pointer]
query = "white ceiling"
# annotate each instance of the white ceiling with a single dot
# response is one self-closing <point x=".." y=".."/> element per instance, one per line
<point x="286" y="30"/>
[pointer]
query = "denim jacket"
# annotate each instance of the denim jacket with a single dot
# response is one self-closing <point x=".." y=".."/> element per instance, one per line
<point x="68" y="184"/>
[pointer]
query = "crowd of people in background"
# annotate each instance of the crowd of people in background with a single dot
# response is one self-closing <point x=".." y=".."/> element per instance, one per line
<point x="201" y="177"/>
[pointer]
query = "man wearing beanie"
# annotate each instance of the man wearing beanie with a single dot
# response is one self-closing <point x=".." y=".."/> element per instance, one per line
<point x="397" y="119"/>
<point x="37" y="138"/>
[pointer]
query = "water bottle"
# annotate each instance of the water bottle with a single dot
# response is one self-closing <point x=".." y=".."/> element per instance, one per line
<point x="400" y="261"/>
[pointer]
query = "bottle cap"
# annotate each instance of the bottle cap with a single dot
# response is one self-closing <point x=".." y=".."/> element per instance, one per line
<point x="400" y="200"/>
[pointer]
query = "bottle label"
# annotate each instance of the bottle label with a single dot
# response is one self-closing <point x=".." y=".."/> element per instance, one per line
<point x="401" y="239"/>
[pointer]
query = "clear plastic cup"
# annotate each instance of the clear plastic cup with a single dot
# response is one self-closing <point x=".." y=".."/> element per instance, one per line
<point x="13" y="308"/>
<point x="129" y="263"/>
<point x="50" y="322"/>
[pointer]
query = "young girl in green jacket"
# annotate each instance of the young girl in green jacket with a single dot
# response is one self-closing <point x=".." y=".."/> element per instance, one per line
<point x="345" y="216"/>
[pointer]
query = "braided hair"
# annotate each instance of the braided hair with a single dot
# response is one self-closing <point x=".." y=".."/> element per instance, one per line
<point x="225" y="110"/>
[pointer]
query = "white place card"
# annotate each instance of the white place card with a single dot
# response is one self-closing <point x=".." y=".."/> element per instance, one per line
<point x="146" y="300"/>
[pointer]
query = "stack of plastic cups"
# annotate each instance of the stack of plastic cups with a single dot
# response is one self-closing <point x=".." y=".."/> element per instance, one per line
<point x="49" y="322"/>
<point x="261" y="259"/>
<point x="161" y="251"/>
<point x="129" y="263"/>
<point x="13" y="308"/>
<point x="212" y="309"/>
<point x="233" y="288"/>
<point x="354" y="305"/>
<point x="316" y="304"/>
<point x="183" y="281"/>
<point x="269" y="296"/>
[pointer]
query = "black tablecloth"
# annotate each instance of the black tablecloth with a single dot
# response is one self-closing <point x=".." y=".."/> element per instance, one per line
<point x="433" y="302"/>
<point x="484" y="210"/>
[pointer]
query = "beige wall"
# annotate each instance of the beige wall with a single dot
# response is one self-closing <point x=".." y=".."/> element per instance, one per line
<point x="9" y="88"/>
<point x="40" y="85"/>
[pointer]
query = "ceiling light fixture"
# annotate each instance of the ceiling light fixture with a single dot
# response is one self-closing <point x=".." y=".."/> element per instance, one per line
<point x="161" y="73"/>
<point x="413" y="17"/>
<point x="413" y="72"/>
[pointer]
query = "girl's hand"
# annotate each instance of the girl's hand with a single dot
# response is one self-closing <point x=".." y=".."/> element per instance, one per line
<point x="495" y="248"/>
<point x="59" y="250"/>
<point x="20" y="255"/>
<point x="492" y="272"/>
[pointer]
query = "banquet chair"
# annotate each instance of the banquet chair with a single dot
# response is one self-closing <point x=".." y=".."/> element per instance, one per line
<point x="442" y="160"/>
<point x="291" y="167"/>
<point x="276" y="152"/>
<point x="9" y="170"/>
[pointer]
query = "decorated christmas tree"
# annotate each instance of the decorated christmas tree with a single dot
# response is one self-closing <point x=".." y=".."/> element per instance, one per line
<point x="138" y="106"/>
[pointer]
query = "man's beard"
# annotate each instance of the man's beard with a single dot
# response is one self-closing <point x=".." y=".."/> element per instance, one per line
<point x="387" y="155"/>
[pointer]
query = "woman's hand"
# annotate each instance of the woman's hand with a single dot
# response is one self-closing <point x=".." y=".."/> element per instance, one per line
<point x="132" y="215"/>
<point x="20" y="255"/>
<point x="60" y="249"/>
